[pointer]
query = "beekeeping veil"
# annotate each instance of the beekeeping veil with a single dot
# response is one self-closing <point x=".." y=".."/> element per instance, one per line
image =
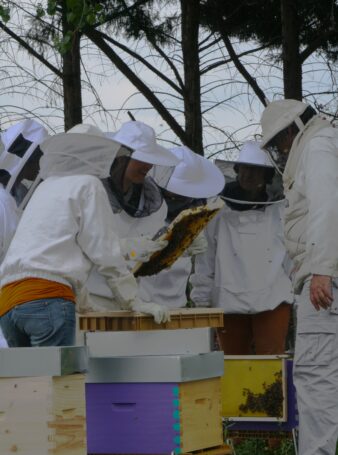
<point x="250" y="154"/>
<point x="84" y="149"/>
<point x="21" y="147"/>
<point x="276" y="117"/>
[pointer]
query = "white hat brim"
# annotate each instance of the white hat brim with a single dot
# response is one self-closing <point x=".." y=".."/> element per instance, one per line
<point x="211" y="183"/>
<point x="156" y="154"/>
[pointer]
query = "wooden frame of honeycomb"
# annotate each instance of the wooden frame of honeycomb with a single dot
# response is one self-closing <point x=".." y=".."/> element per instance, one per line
<point x="180" y="234"/>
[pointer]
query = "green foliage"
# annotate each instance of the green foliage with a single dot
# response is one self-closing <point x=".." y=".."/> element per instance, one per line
<point x="261" y="20"/>
<point x="262" y="447"/>
<point x="74" y="16"/>
<point x="40" y="12"/>
<point x="51" y="7"/>
<point x="4" y="12"/>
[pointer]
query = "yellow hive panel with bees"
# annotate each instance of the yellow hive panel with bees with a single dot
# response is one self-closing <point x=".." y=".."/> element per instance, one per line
<point x="254" y="388"/>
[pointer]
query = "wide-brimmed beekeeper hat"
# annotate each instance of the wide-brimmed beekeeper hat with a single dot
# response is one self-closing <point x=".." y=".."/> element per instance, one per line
<point x="252" y="154"/>
<point x="84" y="149"/>
<point x="278" y="115"/>
<point x="194" y="176"/>
<point x="141" y="139"/>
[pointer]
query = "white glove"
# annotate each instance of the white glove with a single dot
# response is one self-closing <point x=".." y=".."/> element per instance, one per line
<point x="159" y="312"/>
<point x="198" y="246"/>
<point x="140" y="249"/>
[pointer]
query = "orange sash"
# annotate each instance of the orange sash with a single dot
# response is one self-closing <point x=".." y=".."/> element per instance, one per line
<point x="29" y="289"/>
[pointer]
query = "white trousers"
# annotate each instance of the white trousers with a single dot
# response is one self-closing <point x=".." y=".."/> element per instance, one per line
<point x="316" y="375"/>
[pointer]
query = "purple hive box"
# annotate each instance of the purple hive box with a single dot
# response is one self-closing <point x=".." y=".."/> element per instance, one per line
<point x="133" y="418"/>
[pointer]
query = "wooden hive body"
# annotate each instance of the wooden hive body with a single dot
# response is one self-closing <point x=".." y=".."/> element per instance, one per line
<point x="154" y="418"/>
<point x="183" y="318"/>
<point x="43" y="415"/>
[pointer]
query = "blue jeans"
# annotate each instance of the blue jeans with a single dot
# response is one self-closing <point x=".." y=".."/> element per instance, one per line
<point x="45" y="322"/>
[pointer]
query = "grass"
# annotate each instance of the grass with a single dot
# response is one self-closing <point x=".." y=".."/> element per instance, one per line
<point x="261" y="447"/>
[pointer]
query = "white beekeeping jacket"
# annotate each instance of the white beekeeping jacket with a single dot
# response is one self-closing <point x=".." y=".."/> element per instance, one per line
<point x="20" y="142"/>
<point x="68" y="226"/>
<point x="73" y="227"/>
<point x="9" y="218"/>
<point x="168" y="287"/>
<point x="126" y="226"/>
<point x="242" y="270"/>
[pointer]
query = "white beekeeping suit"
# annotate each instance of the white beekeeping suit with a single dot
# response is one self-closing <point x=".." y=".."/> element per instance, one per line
<point x="21" y="142"/>
<point x="242" y="270"/>
<point x="311" y="224"/>
<point x="192" y="181"/>
<point x="238" y="274"/>
<point x="68" y="226"/>
<point x="135" y="225"/>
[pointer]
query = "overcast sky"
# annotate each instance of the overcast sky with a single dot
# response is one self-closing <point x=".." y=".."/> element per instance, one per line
<point x="233" y="118"/>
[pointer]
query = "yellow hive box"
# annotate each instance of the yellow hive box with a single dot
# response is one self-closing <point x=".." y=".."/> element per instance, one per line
<point x="254" y="388"/>
<point x="43" y="415"/>
<point x="183" y="318"/>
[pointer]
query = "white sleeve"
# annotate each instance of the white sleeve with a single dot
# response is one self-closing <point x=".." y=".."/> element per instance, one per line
<point x="9" y="219"/>
<point x="321" y="190"/>
<point x="98" y="239"/>
<point x="202" y="280"/>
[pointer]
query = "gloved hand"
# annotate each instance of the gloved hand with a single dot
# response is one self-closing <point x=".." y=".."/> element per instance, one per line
<point x="198" y="246"/>
<point x="140" y="249"/>
<point x="159" y="312"/>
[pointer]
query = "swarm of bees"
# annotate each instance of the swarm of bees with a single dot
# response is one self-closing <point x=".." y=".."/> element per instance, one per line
<point x="270" y="401"/>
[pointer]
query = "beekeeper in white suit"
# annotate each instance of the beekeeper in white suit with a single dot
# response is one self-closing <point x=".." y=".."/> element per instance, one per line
<point x="310" y="144"/>
<point x="242" y="270"/>
<point x="185" y="186"/>
<point x="66" y="228"/>
<point x="18" y="163"/>
<point x="136" y="201"/>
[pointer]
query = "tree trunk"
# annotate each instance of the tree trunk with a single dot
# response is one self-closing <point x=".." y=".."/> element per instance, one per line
<point x="71" y="77"/>
<point x="292" y="64"/>
<point x="192" y="82"/>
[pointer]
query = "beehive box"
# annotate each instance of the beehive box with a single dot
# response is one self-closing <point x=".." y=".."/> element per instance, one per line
<point x="154" y="404"/>
<point x="183" y="318"/>
<point x="149" y="342"/>
<point x="254" y="388"/>
<point x="244" y="429"/>
<point x="153" y="418"/>
<point x="42" y="414"/>
<point x="155" y="368"/>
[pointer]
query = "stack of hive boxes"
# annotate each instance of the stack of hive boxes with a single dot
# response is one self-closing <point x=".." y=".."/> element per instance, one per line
<point x="42" y="401"/>
<point x="152" y="391"/>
